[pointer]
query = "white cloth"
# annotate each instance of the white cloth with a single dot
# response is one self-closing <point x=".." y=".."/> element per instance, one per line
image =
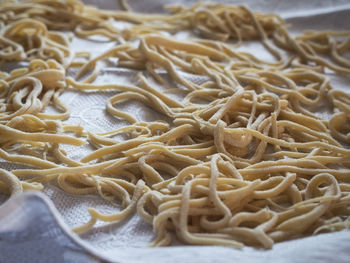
<point x="33" y="230"/>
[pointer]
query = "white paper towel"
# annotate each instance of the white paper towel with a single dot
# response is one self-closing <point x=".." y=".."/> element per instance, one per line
<point x="126" y="241"/>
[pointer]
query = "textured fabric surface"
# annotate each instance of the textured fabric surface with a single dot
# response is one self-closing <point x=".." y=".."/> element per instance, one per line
<point x="29" y="228"/>
<point x="30" y="233"/>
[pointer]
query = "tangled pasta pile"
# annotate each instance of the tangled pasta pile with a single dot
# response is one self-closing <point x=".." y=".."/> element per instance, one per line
<point x="244" y="158"/>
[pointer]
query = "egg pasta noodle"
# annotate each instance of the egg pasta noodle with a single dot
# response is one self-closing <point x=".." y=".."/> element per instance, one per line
<point x="243" y="157"/>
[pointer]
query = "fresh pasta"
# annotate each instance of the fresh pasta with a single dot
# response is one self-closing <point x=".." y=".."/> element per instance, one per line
<point x="242" y="158"/>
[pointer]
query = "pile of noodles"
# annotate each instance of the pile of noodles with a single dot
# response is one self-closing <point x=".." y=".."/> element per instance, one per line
<point x="243" y="159"/>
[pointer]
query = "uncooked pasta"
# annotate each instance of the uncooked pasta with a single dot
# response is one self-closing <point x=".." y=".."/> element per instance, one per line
<point x="242" y="158"/>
